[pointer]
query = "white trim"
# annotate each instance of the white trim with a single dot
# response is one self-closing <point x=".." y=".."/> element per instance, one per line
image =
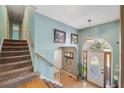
<point x="1" y="43"/>
<point x="30" y="48"/>
<point x="53" y="81"/>
<point x="112" y="62"/>
<point x="119" y="85"/>
<point x="69" y="74"/>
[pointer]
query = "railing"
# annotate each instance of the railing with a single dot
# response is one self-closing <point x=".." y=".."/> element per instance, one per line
<point x="29" y="38"/>
<point x="59" y="72"/>
<point x="47" y="61"/>
<point x="51" y="64"/>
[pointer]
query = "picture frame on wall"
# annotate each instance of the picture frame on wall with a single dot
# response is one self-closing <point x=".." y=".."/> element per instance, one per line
<point x="74" y="38"/>
<point x="59" y="36"/>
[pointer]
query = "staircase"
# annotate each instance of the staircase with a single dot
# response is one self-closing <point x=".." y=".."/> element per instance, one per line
<point x="15" y="64"/>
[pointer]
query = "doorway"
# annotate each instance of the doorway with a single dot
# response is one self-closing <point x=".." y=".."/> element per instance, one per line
<point x="57" y="64"/>
<point x="15" y="31"/>
<point x="97" y="62"/>
<point x="65" y="61"/>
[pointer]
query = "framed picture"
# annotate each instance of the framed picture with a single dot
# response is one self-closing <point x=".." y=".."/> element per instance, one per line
<point x="59" y="36"/>
<point x="74" y="38"/>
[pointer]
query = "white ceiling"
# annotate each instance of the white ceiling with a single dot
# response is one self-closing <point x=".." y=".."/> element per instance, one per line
<point x="77" y="15"/>
<point x="16" y="12"/>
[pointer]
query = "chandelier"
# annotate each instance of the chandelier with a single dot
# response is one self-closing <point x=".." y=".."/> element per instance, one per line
<point x="89" y="38"/>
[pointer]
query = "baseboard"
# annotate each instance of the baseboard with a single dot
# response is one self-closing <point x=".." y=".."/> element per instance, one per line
<point x="43" y="77"/>
<point x="70" y="74"/>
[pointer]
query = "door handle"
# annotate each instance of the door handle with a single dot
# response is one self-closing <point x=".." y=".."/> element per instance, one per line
<point x="102" y="71"/>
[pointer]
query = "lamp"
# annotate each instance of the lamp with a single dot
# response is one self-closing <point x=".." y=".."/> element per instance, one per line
<point x="89" y="38"/>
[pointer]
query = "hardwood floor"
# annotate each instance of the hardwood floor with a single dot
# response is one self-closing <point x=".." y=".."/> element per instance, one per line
<point x="37" y="83"/>
<point x="67" y="81"/>
<point x="70" y="82"/>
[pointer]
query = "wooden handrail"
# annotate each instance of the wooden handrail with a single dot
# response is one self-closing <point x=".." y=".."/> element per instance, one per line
<point x="30" y="40"/>
<point x="38" y="54"/>
<point x="51" y="64"/>
<point x="56" y="67"/>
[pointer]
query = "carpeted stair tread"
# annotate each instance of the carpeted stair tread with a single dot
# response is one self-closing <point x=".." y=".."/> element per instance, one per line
<point x="15" y="65"/>
<point x="4" y="60"/>
<point x="18" y="80"/>
<point x="15" y="53"/>
<point x="15" y="70"/>
<point x="14" y="48"/>
<point x="13" y="57"/>
<point x="15" y="74"/>
<point x="15" y="44"/>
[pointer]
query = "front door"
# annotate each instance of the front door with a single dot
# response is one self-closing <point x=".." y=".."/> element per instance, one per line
<point x="95" y="68"/>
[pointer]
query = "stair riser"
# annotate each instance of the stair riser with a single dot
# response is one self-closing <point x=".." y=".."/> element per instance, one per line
<point x="14" y="49"/>
<point x="14" y="54"/>
<point x="13" y="75"/>
<point x="8" y="40"/>
<point x="16" y="59"/>
<point x="14" y="44"/>
<point x="8" y="68"/>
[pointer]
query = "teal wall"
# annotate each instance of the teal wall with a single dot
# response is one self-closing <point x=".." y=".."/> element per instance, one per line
<point x="29" y="23"/>
<point x="1" y="22"/>
<point x="108" y="32"/>
<point x="44" y="41"/>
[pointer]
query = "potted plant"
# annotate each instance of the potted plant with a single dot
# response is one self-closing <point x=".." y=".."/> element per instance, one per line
<point x="115" y="84"/>
<point x="99" y="46"/>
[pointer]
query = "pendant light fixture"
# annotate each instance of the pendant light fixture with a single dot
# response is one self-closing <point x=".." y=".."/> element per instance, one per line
<point x="89" y="38"/>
